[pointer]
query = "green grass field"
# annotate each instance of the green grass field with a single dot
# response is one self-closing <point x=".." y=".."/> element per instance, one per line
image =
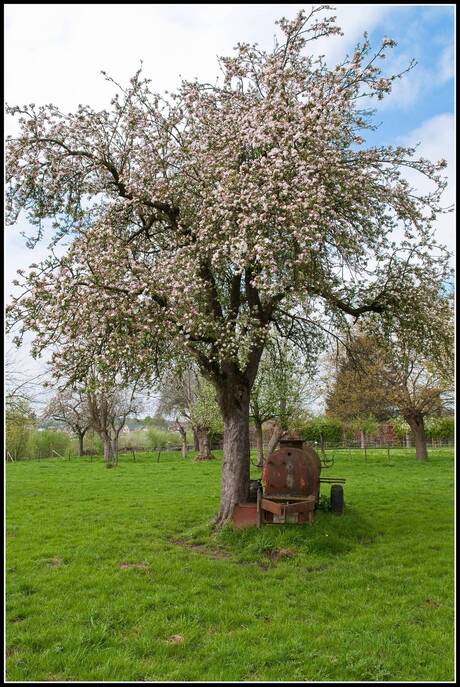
<point x="116" y="575"/>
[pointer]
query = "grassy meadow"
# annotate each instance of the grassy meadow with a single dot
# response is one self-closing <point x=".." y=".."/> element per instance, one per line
<point x="116" y="575"/>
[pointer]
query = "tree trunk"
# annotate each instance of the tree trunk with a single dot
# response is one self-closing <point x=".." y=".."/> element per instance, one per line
<point x="108" y="450"/>
<point x="203" y="442"/>
<point x="184" y="445"/>
<point x="80" y="444"/>
<point x="278" y="432"/>
<point x="183" y="436"/>
<point x="408" y="441"/>
<point x="417" y="426"/>
<point x="363" y="440"/>
<point x="233" y="399"/>
<point x="115" y="449"/>
<point x="196" y="443"/>
<point x="259" y="443"/>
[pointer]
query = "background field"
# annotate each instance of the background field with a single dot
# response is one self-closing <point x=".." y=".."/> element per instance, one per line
<point x="116" y="575"/>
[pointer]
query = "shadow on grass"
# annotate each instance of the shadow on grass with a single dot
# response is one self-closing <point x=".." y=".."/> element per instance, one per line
<point x="331" y="535"/>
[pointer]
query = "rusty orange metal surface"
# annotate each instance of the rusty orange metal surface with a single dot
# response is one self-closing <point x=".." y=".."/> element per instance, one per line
<point x="291" y="472"/>
<point x="290" y="487"/>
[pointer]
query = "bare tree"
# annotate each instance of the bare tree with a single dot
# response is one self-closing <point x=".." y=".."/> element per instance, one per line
<point x="71" y="408"/>
<point x="20" y="387"/>
<point x="193" y="401"/>
<point x="278" y="393"/>
<point x="109" y="407"/>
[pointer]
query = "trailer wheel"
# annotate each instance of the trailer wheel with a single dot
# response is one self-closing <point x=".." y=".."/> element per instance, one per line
<point x="337" y="500"/>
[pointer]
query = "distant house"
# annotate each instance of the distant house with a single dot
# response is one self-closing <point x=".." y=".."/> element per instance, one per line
<point x="132" y="426"/>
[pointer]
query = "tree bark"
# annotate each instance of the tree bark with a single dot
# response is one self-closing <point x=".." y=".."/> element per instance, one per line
<point x="196" y="443"/>
<point x="183" y="436"/>
<point x="278" y="432"/>
<point x="203" y="442"/>
<point x="408" y="441"/>
<point x="363" y="440"/>
<point x="108" y="450"/>
<point x="80" y="444"/>
<point x="115" y="448"/>
<point x="259" y="443"/>
<point x="417" y="425"/>
<point x="233" y="399"/>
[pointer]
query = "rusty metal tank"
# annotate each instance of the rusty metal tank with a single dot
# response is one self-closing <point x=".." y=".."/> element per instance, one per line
<point x="292" y="471"/>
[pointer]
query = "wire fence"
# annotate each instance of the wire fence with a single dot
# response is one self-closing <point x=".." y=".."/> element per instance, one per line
<point x="357" y="444"/>
<point x="327" y="450"/>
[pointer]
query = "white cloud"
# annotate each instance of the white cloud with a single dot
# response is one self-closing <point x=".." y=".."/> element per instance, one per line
<point x="54" y="53"/>
<point x="445" y="70"/>
<point x="418" y="82"/>
<point x="436" y="138"/>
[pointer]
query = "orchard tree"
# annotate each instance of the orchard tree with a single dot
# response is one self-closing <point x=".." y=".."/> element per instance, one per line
<point x="412" y="374"/>
<point x="21" y="391"/>
<point x="71" y="408"/>
<point x="365" y="425"/>
<point x="354" y="390"/>
<point x="321" y="429"/>
<point x="20" y="421"/>
<point x="401" y="429"/>
<point x="109" y="404"/>
<point x="192" y="400"/>
<point x="201" y="220"/>
<point x="279" y="392"/>
<point x="441" y="427"/>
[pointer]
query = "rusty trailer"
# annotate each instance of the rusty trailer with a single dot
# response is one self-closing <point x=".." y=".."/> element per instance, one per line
<point x="289" y="490"/>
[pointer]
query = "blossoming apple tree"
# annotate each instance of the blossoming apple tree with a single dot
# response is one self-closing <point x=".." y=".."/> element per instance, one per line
<point x="202" y="219"/>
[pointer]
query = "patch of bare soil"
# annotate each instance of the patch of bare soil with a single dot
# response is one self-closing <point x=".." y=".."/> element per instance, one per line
<point x="214" y="553"/>
<point x="175" y="639"/>
<point x="11" y="651"/>
<point x="133" y="566"/>
<point x="55" y="562"/>
<point x="278" y="554"/>
<point x="316" y="568"/>
<point x="432" y="603"/>
<point x="18" y="619"/>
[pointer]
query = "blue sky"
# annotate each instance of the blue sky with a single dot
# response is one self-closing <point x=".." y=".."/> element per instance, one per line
<point x="427" y="35"/>
<point x="54" y="53"/>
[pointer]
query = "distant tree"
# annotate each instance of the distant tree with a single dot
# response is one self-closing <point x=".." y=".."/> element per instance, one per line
<point x="205" y="418"/>
<point x="109" y="405"/>
<point x="413" y="373"/>
<point x="191" y="400"/>
<point x="20" y="421"/>
<point x="321" y="430"/>
<point x="20" y="418"/>
<point x="401" y="429"/>
<point x="279" y="393"/>
<point x="21" y="388"/>
<point x="355" y="388"/>
<point x="366" y="425"/>
<point x="71" y="409"/>
<point x="441" y="427"/>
